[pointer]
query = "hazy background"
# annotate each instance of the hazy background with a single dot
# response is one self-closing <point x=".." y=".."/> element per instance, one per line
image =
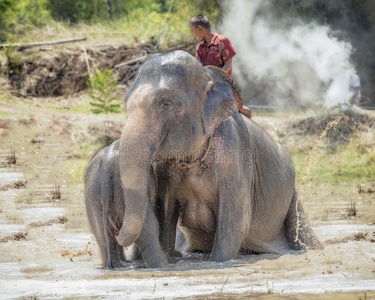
<point x="285" y="61"/>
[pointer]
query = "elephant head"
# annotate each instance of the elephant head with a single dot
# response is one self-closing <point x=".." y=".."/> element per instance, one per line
<point x="173" y="105"/>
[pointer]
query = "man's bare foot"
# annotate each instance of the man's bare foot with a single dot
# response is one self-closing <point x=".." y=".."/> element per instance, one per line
<point x="246" y="112"/>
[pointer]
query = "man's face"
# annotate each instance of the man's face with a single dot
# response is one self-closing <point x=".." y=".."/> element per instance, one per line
<point x="198" y="32"/>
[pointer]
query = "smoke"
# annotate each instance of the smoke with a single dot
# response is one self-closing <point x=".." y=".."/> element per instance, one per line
<point x="284" y="62"/>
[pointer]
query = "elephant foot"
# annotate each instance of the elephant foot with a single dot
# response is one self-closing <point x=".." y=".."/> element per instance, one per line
<point x="125" y="263"/>
<point x="110" y="266"/>
<point x="172" y="259"/>
<point x="113" y="264"/>
<point x="107" y="267"/>
<point x="175" y="253"/>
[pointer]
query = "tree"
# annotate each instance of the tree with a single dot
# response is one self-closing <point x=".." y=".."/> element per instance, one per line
<point x="7" y="8"/>
<point x="78" y="10"/>
<point x="103" y="89"/>
<point x="19" y="16"/>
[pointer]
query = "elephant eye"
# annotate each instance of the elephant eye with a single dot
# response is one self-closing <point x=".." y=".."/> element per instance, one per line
<point x="165" y="103"/>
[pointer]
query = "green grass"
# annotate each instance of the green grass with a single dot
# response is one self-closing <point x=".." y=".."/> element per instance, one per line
<point x="85" y="109"/>
<point x="18" y="115"/>
<point x="4" y="115"/>
<point x="76" y="167"/>
<point x="76" y="170"/>
<point x="75" y="109"/>
<point x="354" y="162"/>
<point x="80" y="109"/>
<point x="6" y="98"/>
<point x="86" y="151"/>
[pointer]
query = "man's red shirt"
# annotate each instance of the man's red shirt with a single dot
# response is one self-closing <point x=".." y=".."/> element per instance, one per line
<point x="217" y="53"/>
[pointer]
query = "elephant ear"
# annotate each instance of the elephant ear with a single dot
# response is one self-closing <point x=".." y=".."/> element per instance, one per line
<point x="220" y="102"/>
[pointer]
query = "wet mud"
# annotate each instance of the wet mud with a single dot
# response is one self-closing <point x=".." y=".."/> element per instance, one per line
<point x="48" y="252"/>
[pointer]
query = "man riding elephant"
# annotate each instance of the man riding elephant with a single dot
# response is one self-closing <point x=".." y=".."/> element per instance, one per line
<point x="230" y="185"/>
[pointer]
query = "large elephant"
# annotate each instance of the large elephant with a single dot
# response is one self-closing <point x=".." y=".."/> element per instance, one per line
<point x="105" y="208"/>
<point x="228" y="182"/>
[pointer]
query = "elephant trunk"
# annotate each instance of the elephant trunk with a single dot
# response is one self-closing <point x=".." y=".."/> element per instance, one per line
<point x="137" y="148"/>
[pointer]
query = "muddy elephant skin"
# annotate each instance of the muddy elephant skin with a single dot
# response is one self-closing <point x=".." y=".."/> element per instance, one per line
<point x="105" y="208"/>
<point x="226" y="182"/>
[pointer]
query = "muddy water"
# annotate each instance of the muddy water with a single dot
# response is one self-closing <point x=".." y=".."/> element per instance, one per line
<point x="51" y="259"/>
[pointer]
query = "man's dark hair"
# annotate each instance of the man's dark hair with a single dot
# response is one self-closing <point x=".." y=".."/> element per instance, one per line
<point x="200" y="20"/>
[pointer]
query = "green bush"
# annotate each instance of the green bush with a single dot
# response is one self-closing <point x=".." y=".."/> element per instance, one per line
<point x="103" y="91"/>
<point x="103" y="88"/>
<point x="7" y="11"/>
<point x="99" y="10"/>
<point x="78" y="10"/>
<point x="18" y="17"/>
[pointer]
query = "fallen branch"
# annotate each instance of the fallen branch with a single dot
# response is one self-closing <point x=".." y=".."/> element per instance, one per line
<point x="134" y="64"/>
<point x="130" y="77"/>
<point x="181" y="46"/>
<point x="135" y="60"/>
<point x="36" y="44"/>
<point x="87" y="60"/>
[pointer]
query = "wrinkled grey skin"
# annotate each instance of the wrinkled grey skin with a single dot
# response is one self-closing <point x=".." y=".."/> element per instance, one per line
<point x="105" y="208"/>
<point x="242" y="196"/>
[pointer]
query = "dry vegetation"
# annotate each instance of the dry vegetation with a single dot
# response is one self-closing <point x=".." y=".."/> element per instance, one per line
<point x="17" y="236"/>
<point x="63" y="71"/>
<point x="19" y="184"/>
<point x="71" y="253"/>
<point x="58" y="220"/>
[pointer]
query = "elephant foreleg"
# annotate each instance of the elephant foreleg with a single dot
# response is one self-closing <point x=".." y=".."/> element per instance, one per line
<point x="232" y="224"/>
<point x="148" y="242"/>
<point x="172" y="232"/>
<point x="170" y="219"/>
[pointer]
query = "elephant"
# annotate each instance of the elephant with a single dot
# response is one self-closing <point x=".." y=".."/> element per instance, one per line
<point x="225" y="182"/>
<point x="105" y="208"/>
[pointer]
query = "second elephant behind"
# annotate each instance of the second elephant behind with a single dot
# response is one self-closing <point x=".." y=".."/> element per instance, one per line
<point x="105" y="208"/>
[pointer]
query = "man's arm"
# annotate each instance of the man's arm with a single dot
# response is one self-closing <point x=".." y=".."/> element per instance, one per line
<point x="198" y="53"/>
<point x="227" y="66"/>
<point x="227" y="52"/>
